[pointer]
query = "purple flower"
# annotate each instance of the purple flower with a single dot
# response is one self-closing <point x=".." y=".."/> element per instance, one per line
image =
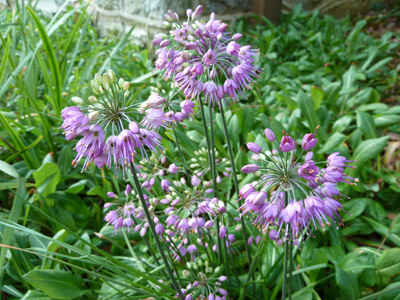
<point x="308" y="171"/>
<point x="173" y="169"/>
<point x="222" y="232"/>
<point x="287" y="144"/>
<point x="309" y="140"/>
<point x="91" y="146"/>
<point x="269" y="134"/>
<point x="165" y="185"/>
<point x="251" y="168"/>
<point x="195" y="180"/>
<point x="253" y="147"/>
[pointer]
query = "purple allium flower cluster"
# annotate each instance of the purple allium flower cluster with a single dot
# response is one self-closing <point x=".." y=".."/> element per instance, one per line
<point x="150" y="169"/>
<point x="109" y="126"/>
<point x="129" y="215"/>
<point x="204" y="59"/>
<point x="190" y="211"/>
<point x="204" y="282"/>
<point x="292" y="194"/>
<point x="201" y="165"/>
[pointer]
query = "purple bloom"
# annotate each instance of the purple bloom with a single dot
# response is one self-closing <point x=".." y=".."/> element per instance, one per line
<point x="251" y="168"/>
<point x="155" y="118"/>
<point x="269" y="134"/>
<point x="287" y="144"/>
<point x="308" y="171"/>
<point x="173" y="169"/>
<point x="309" y="140"/>
<point x="253" y="147"/>
<point x="165" y="185"/>
<point x="91" y="146"/>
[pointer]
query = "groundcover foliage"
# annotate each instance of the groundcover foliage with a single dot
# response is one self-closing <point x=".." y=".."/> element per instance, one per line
<point x="316" y="70"/>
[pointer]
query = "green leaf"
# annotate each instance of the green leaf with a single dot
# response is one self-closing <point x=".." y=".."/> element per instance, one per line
<point x="35" y="295"/>
<point x="383" y="230"/>
<point x="388" y="266"/>
<point x="366" y="124"/>
<point x="317" y="94"/>
<point x="308" y="111"/>
<point x="8" y="169"/>
<point x="387" y="120"/>
<point x="354" y="207"/>
<point x="47" y="178"/>
<point x="366" y="151"/>
<point x="333" y="141"/>
<point x="347" y="283"/>
<point x="56" y="284"/>
<point x="55" y="70"/>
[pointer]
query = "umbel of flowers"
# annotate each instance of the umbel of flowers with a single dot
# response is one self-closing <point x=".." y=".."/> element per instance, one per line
<point x="111" y="124"/>
<point x="203" y="58"/>
<point x="293" y="193"/>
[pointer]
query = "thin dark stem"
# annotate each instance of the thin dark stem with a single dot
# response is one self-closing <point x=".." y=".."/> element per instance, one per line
<point x="214" y="177"/>
<point x="180" y="153"/>
<point x="153" y="231"/>
<point x="235" y="178"/>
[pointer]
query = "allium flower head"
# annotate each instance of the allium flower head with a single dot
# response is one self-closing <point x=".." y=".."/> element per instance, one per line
<point x="204" y="282"/>
<point x="110" y="125"/>
<point x="201" y="164"/>
<point x="290" y="195"/>
<point x="204" y="59"/>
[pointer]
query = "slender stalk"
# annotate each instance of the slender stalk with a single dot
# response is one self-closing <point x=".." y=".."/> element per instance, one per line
<point x="290" y="268"/>
<point x="285" y="270"/>
<point x="235" y="179"/>
<point x="180" y="152"/>
<point x="214" y="177"/>
<point x="203" y="117"/>
<point x="153" y="231"/>
<point x="285" y="261"/>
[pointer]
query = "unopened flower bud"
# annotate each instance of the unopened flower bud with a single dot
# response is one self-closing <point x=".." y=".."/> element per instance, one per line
<point x="77" y="100"/>
<point x="92" y="99"/>
<point x="121" y="83"/>
<point x="93" y="115"/>
<point x="126" y="85"/>
<point x="99" y="79"/>
<point x="112" y="76"/>
<point x="106" y="78"/>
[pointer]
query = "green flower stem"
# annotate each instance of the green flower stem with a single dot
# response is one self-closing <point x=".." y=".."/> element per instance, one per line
<point x="290" y="268"/>
<point x="285" y="261"/>
<point x="235" y="179"/>
<point x="153" y="231"/>
<point x="180" y="153"/>
<point x="214" y="177"/>
<point x="203" y="117"/>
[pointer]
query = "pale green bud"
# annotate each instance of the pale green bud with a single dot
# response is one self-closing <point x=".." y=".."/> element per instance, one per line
<point x="93" y="115"/>
<point x="217" y="269"/>
<point x="101" y="90"/>
<point x="112" y="76"/>
<point x="186" y="273"/>
<point x="126" y="85"/>
<point x="126" y="94"/>
<point x="99" y="79"/>
<point x="159" y="85"/>
<point x="121" y="82"/>
<point x="106" y="78"/>
<point x="77" y="100"/>
<point x="95" y="86"/>
<point x="92" y="99"/>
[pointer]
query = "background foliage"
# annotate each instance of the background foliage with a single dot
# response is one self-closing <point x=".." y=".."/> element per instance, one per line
<point x="317" y="71"/>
